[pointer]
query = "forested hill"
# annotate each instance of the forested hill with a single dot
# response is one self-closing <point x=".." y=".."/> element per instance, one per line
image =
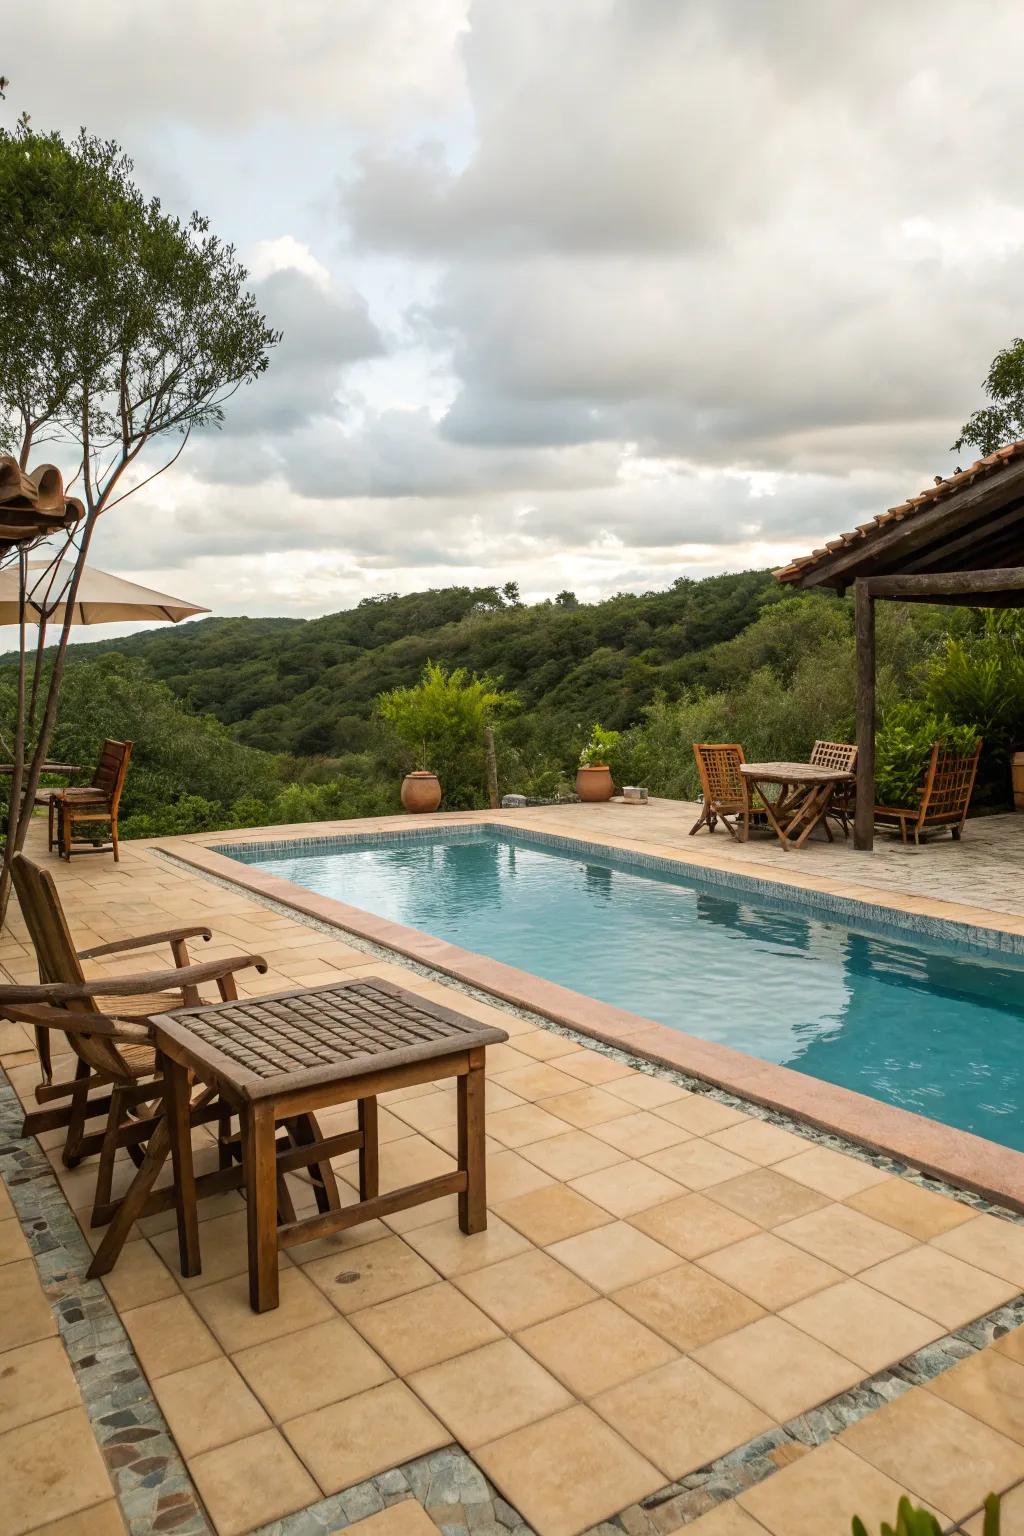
<point x="307" y="686"/>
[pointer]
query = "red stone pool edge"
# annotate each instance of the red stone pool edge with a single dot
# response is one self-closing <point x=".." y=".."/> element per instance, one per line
<point x="962" y="1159"/>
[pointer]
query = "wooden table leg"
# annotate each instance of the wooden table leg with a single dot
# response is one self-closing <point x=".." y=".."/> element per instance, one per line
<point x="177" y="1102"/>
<point x="813" y="810"/>
<point x="472" y="1154"/>
<point x="260" y="1156"/>
<point x="769" y="810"/>
<point x="131" y="1206"/>
<point x="369" y="1155"/>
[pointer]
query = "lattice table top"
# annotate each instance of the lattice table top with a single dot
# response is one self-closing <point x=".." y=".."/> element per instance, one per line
<point x="320" y="1033"/>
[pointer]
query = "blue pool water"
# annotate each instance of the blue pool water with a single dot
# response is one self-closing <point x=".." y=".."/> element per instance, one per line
<point x="930" y="1026"/>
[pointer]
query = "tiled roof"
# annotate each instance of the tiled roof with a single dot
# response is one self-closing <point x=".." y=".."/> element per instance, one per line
<point x="981" y="469"/>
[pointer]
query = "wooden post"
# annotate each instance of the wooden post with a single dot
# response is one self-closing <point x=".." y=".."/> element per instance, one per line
<point x="864" y="634"/>
<point x="492" y="767"/>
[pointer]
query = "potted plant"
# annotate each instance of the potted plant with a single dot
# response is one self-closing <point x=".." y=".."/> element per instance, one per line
<point x="594" y="776"/>
<point x="421" y="789"/>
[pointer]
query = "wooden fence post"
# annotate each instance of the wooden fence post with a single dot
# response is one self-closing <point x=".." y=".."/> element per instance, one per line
<point x="492" y="767"/>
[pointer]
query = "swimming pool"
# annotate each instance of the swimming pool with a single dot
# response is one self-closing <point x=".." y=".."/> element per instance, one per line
<point x="931" y="1026"/>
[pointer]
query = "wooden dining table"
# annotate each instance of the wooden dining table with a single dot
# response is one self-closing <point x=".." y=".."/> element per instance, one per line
<point x="802" y="798"/>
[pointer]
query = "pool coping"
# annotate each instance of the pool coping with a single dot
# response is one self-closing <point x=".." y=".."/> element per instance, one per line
<point x="989" y="1169"/>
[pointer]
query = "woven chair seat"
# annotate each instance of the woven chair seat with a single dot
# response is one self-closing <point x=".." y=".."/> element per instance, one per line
<point x="139" y="1005"/>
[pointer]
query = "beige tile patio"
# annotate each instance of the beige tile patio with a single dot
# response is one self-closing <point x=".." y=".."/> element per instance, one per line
<point x="40" y="1485"/>
<point x="225" y="1308"/>
<point x="141" y="1276"/>
<point x="549" y="1214"/>
<point x="778" y="1367"/>
<point x="251" y="1482"/>
<point x="509" y="1175"/>
<point x="835" y="1174"/>
<point x="867" y="1327"/>
<point x="208" y="1405"/>
<point x="567" y="1473"/>
<point x="366" y="1434"/>
<point x="771" y="1271"/>
<point x="424" y="1327"/>
<point x="989" y="1243"/>
<point x="844" y="1237"/>
<point x="372" y="1273"/>
<point x="97" y="1520"/>
<point x="224" y="1248"/>
<point x="1011" y="1511"/>
<point x="12" y="1241"/>
<point x="700" y="1114"/>
<point x="35" y="1381"/>
<point x="586" y="1107"/>
<point x="644" y="1091"/>
<point x="693" y="1225"/>
<point x="169" y="1336"/>
<point x="640" y="1133"/>
<point x="698" y="1164"/>
<point x="526" y="1289"/>
<point x="300" y="1372"/>
<point x="596" y="1347"/>
<point x="939" y="1452"/>
<point x="25" y="1313"/>
<point x="687" y="1306"/>
<point x="537" y="1081"/>
<point x="517" y="1127"/>
<point x="613" y="1256"/>
<point x="452" y="1252"/>
<point x="490" y="1392"/>
<point x="760" y="1141"/>
<point x="592" y="1067"/>
<point x="407" y="1518"/>
<point x="821" y="1493"/>
<point x="542" y="1045"/>
<point x="409" y="1160"/>
<point x="626" y="1188"/>
<point x="767" y="1197"/>
<point x="572" y="1155"/>
<point x="726" y="1519"/>
<point x="990" y="1387"/>
<point x="923" y="1213"/>
<point x="939" y="1285"/>
<point x="1011" y="1344"/>
<point x="680" y="1417"/>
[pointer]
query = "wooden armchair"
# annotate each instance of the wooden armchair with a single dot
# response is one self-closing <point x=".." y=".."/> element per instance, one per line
<point x="837" y="754"/>
<point x="98" y="801"/>
<point x="726" y="793"/>
<point x="945" y="796"/>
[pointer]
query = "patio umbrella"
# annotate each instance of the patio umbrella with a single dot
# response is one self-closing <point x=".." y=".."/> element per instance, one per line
<point x="102" y="598"/>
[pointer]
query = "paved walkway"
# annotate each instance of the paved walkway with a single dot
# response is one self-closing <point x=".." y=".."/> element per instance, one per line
<point x="665" y="1278"/>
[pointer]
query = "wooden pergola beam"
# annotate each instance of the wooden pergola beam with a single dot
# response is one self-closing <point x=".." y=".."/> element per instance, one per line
<point x="950" y="584"/>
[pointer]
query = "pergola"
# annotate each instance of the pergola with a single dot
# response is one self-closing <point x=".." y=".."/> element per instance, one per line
<point x="960" y="541"/>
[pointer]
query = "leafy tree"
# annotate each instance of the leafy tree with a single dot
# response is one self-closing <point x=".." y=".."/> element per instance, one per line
<point x="567" y="599"/>
<point x="510" y="592"/>
<point x="1003" y="421"/>
<point x="119" y="325"/>
<point x="439" y="724"/>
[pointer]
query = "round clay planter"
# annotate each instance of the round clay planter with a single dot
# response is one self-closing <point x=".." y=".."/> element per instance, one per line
<point x="594" y="783"/>
<point x="421" y="791"/>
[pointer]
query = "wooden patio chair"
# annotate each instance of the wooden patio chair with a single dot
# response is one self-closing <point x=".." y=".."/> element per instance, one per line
<point x="945" y="796"/>
<point x="725" y="792"/>
<point x="837" y="754"/>
<point x="97" y="801"/>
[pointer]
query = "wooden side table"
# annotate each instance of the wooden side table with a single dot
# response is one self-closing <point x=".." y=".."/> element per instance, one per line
<point x="280" y="1058"/>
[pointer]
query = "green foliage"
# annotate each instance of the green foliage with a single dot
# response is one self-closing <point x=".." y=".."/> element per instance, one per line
<point x="980" y="678"/>
<point x="912" y="1520"/>
<point x="1003" y="421"/>
<point x="439" y="724"/>
<point x="903" y="745"/>
<point x="600" y="748"/>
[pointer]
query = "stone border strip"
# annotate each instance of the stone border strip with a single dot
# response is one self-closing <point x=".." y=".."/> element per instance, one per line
<point x="994" y="1171"/>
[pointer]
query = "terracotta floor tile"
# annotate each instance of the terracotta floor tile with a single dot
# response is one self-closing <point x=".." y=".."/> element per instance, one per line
<point x="596" y="1347"/>
<point x="572" y="1155"/>
<point x="868" y="1328"/>
<point x="410" y="1160"/>
<point x="989" y="1243"/>
<point x="771" y="1271"/>
<point x="640" y="1133"/>
<point x="990" y="1387"/>
<point x="693" y="1225"/>
<point x="170" y="1336"/>
<point x="844" y="1237"/>
<point x="25" y="1313"/>
<point x="1011" y="1344"/>
<point x="251" y="1482"/>
<point x="644" y="1091"/>
<point x="939" y="1285"/>
<point x="225" y="1308"/>
<point x="364" y="1435"/>
<point x="700" y="1114"/>
<point x="939" y="1452"/>
<point x="542" y="1045"/>
<point x="613" y="1256"/>
<point x="568" y="1473"/>
<point x="299" y="1372"/>
<point x="547" y="1215"/>
<point x="767" y="1197"/>
<point x="370" y="1274"/>
<point x="39" y="1484"/>
<point x="698" y="1164"/>
<point x="517" y="1127"/>
<point x="141" y="1276"/>
<point x="452" y="1252"/>
<point x="523" y="1290"/>
<point x="781" y="1369"/>
<point x="489" y="1393"/>
<point x="687" y="1306"/>
<point x="424" y="1327"/>
<point x="626" y="1188"/>
<point x="680" y="1417"/>
<point x="760" y="1141"/>
<point x="97" y="1520"/>
<point x="12" y="1241"/>
<point x="537" y="1081"/>
<point x="509" y="1174"/>
<point x="821" y="1492"/>
<point x="920" y="1212"/>
<point x="407" y="1518"/>
<point x="208" y="1405"/>
<point x="835" y="1174"/>
<point x="592" y="1067"/>
<point x="585" y="1107"/>
<point x="727" y="1519"/>
<point x="35" y="1380"/>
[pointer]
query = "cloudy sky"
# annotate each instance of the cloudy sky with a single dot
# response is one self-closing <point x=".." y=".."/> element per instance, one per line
<point x="583" y="293"/>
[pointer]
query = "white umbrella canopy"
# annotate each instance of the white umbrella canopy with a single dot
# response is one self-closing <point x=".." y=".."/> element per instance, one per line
<point x="102" y="598"/>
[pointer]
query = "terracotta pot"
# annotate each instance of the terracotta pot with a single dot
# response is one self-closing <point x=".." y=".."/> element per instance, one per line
<point x="595" y="782"/>
<point x="421" y="791"/>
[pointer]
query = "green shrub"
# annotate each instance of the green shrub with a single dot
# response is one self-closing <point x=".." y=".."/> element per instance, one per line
<point x="912" y="1520"/>
<point x="601" y="747"/>
<point x="903" y="745"/>
<point x="439" y="724"/>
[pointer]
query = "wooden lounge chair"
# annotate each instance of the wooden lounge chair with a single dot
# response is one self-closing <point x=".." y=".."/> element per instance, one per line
<point x="837" y="754"/>
<point x="945" y="796"/>
<point x="726" y="793"/>
<point x="98" y="801"/>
